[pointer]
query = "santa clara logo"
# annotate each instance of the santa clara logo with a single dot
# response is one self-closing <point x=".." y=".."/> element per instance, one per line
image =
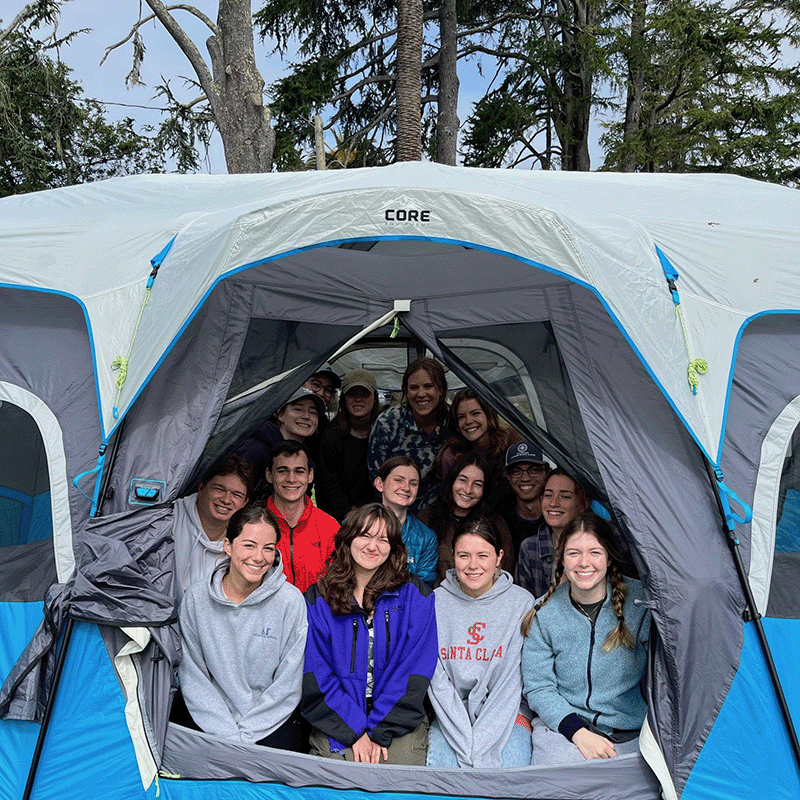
<point x="474" y="632"/>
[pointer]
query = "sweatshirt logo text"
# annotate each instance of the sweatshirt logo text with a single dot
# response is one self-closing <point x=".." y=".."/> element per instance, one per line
<point x="474" y="632"/>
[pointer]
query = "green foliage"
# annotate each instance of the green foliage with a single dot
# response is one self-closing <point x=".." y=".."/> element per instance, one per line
<point x="186" y="127"/>
<point x="718" y="93"/>
<point x="49" y="135"/>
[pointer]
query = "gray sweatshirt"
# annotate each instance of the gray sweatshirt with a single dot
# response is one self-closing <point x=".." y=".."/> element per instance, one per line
<point x="476" y="690"/>
<point x="195" y="554"/>
<point x="242" y="665"/>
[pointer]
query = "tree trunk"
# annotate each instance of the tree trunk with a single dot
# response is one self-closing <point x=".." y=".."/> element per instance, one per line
<point x="409" y="80"/>
<point x="636" y="72"/>
<point x="572" y="119"/>
<point x="447" y="122"/>
<point x="243" y="121"/>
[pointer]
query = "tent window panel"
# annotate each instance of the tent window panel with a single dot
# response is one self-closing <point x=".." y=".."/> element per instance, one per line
<point x="523" y="363"/>
<point x="784" y="595"/>
<point x="25" y="514"/>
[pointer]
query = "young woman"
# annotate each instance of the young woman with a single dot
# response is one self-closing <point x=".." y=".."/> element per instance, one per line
<point x="585" y="650"/>
<point x="474" y="427"/>
<point x="397" y="483"/>
<point x="563" y="500"/>
<point x="371" y="647"/>
<point x="461" y="498"/>
<point x="416" y="428"/>
<point x="343" y="481"/>
<point x="476" y="691"/>
<point x="244" y="635"/>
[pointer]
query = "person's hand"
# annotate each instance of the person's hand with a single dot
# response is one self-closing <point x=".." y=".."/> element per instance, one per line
<point x="592" y="745"/>
<point x="365" y="751"/>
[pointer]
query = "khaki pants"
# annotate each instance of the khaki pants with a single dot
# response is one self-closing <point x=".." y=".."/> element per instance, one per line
<point x="410" y="750"/>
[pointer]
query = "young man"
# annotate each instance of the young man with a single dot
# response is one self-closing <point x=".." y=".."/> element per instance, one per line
<point x="526" y="470"/>
<point x="200" y="520"/>
<point x="306" y="532"/>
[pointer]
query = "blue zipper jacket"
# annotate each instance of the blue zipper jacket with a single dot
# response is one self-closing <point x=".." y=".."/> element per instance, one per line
<point x="423" y="549"/>
<point x="405" y="652"/>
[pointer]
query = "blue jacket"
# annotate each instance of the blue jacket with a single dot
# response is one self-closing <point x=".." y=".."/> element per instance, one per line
<point x="423" y="549"/>
<point x="569" y="679"/>
<point x="335" y="677"/>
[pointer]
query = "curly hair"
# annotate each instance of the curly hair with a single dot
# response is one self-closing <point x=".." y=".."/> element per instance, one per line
<point x="602" y="531"/>
<point x="500" y="436"/>
<point x="338" y="584"/>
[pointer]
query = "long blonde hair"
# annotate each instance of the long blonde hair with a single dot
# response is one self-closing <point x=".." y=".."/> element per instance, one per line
<point x="601" y="530"/>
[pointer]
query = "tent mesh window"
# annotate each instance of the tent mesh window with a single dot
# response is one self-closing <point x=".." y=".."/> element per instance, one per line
<point x="25" y="515"/>
<point x="784" y="594"/>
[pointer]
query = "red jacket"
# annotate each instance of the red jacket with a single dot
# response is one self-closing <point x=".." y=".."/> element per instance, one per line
<point x="305" y="548"/>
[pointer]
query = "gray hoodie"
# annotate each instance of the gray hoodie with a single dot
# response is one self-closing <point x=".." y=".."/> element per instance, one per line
<point x="242" y="665"/>
<point x="476" y="690"/>
<point x="195" y="554"/>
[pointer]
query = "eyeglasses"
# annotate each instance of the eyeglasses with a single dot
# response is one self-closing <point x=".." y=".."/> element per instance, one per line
<point x="317" y="386"/>
<point x="533" y="469"/>
<point x="221" y="491"/>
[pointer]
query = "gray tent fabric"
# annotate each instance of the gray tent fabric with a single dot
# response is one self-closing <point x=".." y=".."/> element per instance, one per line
<point x="197" y="756"/>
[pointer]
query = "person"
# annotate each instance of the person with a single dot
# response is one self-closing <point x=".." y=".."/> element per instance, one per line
<point x="461" y="498"/>
<point x="307" y="532"/>
<point x="244" y="633"/>
<point x="199" y="521"/>
<point x="416" y="428"/>
<point x="343" y="481"/>
<point x="324" y="382"/>
<point x="397" y="482"/>
<point x="476" y="691"/>
<point x="585" y="651"/>
<point x="297" y="419"/>
<point x="526" y="470"/>
<point x="563" y="499"/>
<point x="474" y="427"/>
<point x="371" y="647"/>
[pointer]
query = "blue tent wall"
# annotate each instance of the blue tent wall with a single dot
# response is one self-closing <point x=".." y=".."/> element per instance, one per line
<point x="88" y="750"/>
<point x="18" y="622"/>
<point x="747" y="755"/>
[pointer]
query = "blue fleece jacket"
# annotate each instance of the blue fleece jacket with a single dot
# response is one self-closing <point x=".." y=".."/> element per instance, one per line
<point x="568" y="677"/>
<point x="336" y="663"/>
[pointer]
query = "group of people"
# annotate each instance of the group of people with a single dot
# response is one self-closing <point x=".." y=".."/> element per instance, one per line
<point x="420" y="639"/>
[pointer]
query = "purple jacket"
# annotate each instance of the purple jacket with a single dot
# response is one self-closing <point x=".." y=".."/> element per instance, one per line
<point x="335" y="676"/>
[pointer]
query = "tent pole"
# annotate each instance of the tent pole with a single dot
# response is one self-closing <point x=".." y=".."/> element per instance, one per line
<point x="733" y="544"/>
<point x="48" y="709"/>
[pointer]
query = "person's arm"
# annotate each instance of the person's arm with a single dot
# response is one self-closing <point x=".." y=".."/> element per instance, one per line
<point x="282" y="696"/>
<point x="522" y="574"/>
<point x="380" y="443"/>
<point x="540" y="686"/>
<point x="201" y="692"/>
<point x="328" y="469"/>
<point x="326" y="704"/>
<point x="495" y="721"/>
<point x="451" y="715"/>
<point x="428" y="556"/>
<point x="400" y="690"/>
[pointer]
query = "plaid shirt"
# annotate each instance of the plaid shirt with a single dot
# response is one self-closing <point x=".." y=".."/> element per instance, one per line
<point x="535" y="566"/>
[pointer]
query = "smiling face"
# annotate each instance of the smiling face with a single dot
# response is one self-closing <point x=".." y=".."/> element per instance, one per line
<point x="298" y="419"/>
<point x="290" y="476"/>
<point x="359" y="402"/>
<point x="467" y="489"/>
<point x="562" y="501"/>
<point x="423" y="394"/>
<point x="400" y="488"/>
<point x="527" y="480"/>
<point x="476" y="564"/>
<point x="217" y="501"/>
<point x="252" y="553"/>
<point x="585" y="567"/>
<point x="472" y="422"/>
<point x="370" y="549"/>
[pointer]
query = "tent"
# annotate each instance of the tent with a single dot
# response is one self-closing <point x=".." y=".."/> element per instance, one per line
<point x="643" y="329"/>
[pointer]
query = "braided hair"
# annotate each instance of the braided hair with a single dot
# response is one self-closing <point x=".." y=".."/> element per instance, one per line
<point x="602" y="531"/>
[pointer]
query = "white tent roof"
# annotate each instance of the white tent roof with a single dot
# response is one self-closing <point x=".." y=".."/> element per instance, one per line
<point x="733" y="241"/>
